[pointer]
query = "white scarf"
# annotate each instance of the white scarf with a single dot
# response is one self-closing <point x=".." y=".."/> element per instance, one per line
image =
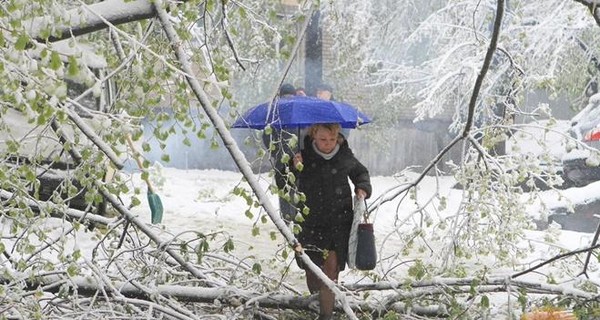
<point x="326" y="156"/>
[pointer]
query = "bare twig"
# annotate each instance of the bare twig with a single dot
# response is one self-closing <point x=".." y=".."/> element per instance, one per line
<point x="589" y="254"/>
<point x="225" y="25"/>
<point x="558" y="257"/>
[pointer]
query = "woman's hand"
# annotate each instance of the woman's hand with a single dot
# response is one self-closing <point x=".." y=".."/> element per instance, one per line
<point x="297" y="159"/>
<point x="361" y="194"/>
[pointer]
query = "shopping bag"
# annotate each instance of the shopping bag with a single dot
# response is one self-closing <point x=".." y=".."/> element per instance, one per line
<point x="362" y="254"/>
<point x="359" y="211"/>
<point x="366" y="252"/>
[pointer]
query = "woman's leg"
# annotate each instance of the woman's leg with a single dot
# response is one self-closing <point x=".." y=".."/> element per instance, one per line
<point x="312" y="282"/>
<point x="326" y="296"/>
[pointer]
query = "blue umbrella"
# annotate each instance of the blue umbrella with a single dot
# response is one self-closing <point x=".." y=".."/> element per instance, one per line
<point x="299" y="112"/>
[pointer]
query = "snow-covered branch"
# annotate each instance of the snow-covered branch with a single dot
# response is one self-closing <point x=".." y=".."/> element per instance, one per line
<point x="79" y="22"/>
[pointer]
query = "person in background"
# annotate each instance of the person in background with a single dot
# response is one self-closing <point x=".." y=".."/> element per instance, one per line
<point x="327" y="163"/>
<point x="325" y="92"/>
<point x="300" y="92"/>
<point x="287" y="90"/>
<point x="280" y="141"/>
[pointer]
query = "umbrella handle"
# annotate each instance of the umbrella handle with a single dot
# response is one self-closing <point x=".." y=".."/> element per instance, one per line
<point x="137" y="157"/>
<point x="299" y="142"/>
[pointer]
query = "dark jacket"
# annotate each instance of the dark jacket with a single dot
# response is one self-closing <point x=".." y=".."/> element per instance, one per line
<point x="280" y="140"/>
<point x="325" y="184"/>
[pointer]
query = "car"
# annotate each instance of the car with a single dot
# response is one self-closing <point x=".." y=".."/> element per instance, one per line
<point x="581" y="164"/>
<point x="39" y="148"/>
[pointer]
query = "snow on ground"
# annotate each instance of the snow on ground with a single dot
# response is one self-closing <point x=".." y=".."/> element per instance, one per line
<point x="202" y="200"/>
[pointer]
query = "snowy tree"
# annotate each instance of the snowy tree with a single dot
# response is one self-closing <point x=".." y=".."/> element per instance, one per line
<point x="431" y="58"/>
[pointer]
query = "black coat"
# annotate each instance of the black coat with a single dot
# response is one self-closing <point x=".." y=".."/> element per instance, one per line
<point x="325" y="184"/>
<point x="329" y="200"/>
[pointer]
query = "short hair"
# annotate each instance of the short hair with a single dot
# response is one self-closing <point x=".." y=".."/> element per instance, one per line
<point x="332" y="127"/>
<point x="324" y="87"/>
<point x="287" y="88"/>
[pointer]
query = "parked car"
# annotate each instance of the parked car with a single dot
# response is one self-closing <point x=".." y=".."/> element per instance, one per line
<point x="40" y="148"/>
<point x="581" y="164"/>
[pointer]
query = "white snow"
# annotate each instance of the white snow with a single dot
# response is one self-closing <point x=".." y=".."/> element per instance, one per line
<point x="202" y="200"/>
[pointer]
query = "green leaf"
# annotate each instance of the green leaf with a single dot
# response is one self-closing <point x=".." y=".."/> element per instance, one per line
<point x="210" y="5"/>
<point x="229" y="246"/>
<point x="12" y="146"/>
<point x="135" y="202"/>
<point x="204" y="246"/>
<point x="257" y="268"/>
<point x="417" y="270"/>
<point x="285" y="158"/>
<point x="76" y="255"/>
<point x="73" y="69"/>
<point x="73" y="270"/>
<point x="22" y="42"/>
<point x="485" y="302"/>
<point x="268" y="130"/>
<point x="55" y="62"/>
<point x="305" y="211"/>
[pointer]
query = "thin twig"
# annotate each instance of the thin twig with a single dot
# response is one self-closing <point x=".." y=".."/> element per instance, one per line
<point x="224" y="25"/>
<point x="555" y="258"/>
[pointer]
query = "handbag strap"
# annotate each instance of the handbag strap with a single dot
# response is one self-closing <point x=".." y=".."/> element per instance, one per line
<point x="360" y="208"/>
<point x="366" y="212"/>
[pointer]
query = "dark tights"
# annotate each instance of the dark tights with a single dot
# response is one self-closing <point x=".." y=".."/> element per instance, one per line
<point x="326" y="297"/>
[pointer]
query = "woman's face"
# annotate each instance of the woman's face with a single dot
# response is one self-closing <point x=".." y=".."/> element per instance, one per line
<point x="325" y="140"/>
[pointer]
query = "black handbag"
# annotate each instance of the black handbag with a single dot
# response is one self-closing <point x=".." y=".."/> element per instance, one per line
<point x="366" y="253"/>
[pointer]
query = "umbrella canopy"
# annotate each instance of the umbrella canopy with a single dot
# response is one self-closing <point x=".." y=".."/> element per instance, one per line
<point x="299" y="112"/>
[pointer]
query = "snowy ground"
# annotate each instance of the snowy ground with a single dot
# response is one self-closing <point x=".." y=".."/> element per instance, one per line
<point x="202" y="200"/>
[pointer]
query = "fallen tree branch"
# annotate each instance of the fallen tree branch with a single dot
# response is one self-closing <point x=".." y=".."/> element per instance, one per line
<point x="94" y="138"/>
<point x="83" y="22"/>
<point x="235" y="297"/>
<point x="141" y="225"/>
<point x="60" y="212"/>
<point x="466" y="285"/>
<point x="237" y="155"/>
<point x="555" y="258"/>
<point x="125" y="291"/>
